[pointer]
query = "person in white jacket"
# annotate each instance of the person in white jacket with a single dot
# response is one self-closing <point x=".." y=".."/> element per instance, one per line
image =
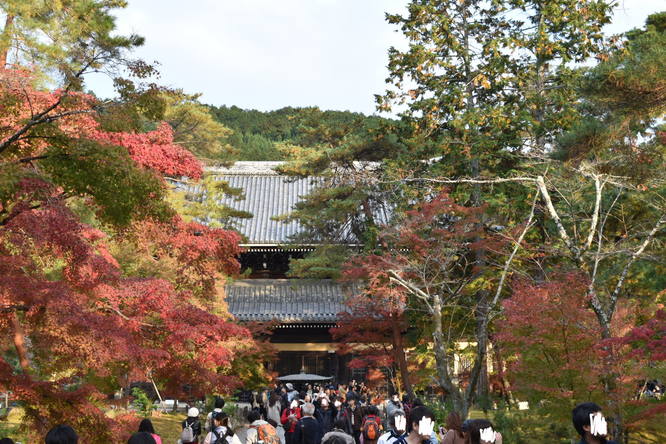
<point x="397" y="429"/>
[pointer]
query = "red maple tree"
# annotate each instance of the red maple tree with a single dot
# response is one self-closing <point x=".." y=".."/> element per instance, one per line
<point x="557" y="357"/>
<point x="33" y="121"/>
<point x="647" y="348"/>
<point x="372" y="327"/>
<point x="76" y="323"/>
<point x="426" y="268"/>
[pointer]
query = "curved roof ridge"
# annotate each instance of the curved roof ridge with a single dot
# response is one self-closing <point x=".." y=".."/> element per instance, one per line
<point x="247" y="167"/>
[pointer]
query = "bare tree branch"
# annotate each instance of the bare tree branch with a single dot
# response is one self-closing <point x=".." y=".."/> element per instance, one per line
<point x="465" y="180"/>
<point x="395" y="277"/>
<point x="620" y="282"/>
<point x="507" y="264"/>
<point x="541" y="184"/>
<point x="599" y="187"/>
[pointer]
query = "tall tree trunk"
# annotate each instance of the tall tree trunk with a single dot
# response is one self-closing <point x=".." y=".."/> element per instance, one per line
<point x="506" y="391"/>
<point x="481" y="378"/>
<point x="399" y="355"/>
<point x="6" y="35"/>
<point x="19" y="343"/>
<point x="609" y="376"/>
<point x="459" y="401"/>
<point x="480" y="364"/>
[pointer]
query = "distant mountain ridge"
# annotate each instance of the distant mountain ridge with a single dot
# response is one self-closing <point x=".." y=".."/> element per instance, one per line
<point x="256" y="134"/>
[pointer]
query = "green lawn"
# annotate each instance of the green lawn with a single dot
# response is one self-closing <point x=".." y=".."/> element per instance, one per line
<point x="168" y="426"/>
<point x="9" y="428"/>
<point x="655" y="433"/>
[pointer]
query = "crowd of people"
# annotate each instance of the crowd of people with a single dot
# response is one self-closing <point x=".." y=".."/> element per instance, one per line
<point x="345" y="414"/>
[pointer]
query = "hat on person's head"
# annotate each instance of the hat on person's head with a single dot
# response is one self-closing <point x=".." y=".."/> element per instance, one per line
<point x="193" y="412"/>
<point x="290" y="386"/>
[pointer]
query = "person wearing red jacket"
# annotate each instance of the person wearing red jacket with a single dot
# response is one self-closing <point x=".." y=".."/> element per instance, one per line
<point x="289" y="419"/>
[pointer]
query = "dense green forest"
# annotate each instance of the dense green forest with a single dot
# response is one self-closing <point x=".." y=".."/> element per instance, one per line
<point x="258" y="135"/>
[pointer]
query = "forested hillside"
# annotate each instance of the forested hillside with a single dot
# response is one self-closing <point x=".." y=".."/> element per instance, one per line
<point x="258" y="134"/>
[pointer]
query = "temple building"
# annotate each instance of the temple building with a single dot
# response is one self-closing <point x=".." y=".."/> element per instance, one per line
<point x="301" y="310"/>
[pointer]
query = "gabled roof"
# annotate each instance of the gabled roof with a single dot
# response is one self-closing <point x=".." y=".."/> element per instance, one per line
<point x="287" y="300"/>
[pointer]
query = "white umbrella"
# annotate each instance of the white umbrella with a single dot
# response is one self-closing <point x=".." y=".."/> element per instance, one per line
<point x="304" y="377"/>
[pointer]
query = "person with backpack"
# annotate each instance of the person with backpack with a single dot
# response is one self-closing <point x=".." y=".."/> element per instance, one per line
<point x="274" y="414"/>
<point x="191" y="427"/>
<point x="397" y="425"/>
<point x="307" y="430"/>
<point x="260" y="430"/>
<point x="219" y="432"/>
<point x="218" y="405"/>
<point x="342" y="414"/>
<point x="371" y="426"/>
<point x="421" y="426"/>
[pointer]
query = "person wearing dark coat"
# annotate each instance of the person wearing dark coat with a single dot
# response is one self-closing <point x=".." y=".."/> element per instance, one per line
<point x="61" y="434"/>
<point x="325" y="415"/>
<point x="338" y="434"/>
<point x="308" y="430"/>
<point x="353" y="414"/>
<point x="141" y="438"/>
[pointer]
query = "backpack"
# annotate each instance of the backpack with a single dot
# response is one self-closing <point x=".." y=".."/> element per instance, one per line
<point x="371" y="428"/>
<point x="218" y="439"/>
<point x="187" y="435"/>
<point x="399" y="438"/>
<point x="267" y="434"/>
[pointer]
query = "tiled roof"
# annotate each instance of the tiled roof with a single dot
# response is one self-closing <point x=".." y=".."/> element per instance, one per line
<point x="267" y="195"/>
<point x="287" y="300"/>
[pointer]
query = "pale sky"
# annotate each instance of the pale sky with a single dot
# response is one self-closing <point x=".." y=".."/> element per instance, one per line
<point x="267" y="54"/>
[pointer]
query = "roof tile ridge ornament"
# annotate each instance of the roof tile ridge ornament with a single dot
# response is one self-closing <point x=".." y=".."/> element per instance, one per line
<point x="269" y="167"/>
<point x="248" y="168"/>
